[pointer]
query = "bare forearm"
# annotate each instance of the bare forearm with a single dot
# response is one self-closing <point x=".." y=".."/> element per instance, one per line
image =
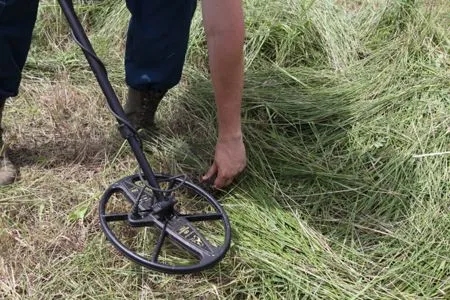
<point x="224" y="26"/>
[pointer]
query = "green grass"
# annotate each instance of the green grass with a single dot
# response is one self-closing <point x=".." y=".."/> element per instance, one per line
<point x="346" y="117"/>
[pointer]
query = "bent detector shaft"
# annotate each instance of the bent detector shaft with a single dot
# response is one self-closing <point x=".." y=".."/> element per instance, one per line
<point x="162" y="222"/>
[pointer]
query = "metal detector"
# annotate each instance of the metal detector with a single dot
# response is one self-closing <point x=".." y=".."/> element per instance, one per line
<point x="162" y="222"/>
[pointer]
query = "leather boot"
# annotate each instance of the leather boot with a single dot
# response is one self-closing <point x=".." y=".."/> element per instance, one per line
<point x="8" y="171"/>
<point x="141" y="107"/>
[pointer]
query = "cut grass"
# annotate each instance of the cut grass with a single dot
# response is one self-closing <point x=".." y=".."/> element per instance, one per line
<point x="347" y="124"/>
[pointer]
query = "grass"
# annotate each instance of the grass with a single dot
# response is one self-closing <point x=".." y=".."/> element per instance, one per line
<point x="347" y="125"/>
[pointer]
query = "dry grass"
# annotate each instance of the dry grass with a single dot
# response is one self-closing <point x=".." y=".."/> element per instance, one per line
<point x="64" y="141"/>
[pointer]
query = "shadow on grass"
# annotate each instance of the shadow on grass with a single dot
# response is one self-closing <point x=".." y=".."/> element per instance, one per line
<point x="59" y="152"/>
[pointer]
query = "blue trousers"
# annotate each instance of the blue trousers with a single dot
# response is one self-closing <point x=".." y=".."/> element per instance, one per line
<point x="156" y="44"/>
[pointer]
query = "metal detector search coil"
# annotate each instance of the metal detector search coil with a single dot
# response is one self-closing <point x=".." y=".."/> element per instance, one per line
<point x="162" y="222"/>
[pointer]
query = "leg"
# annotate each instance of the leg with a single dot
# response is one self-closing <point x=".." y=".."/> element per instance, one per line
<point x="157" y="42"/>
<point x="17" y="19"/>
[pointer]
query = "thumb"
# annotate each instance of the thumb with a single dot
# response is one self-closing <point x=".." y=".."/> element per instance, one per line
<point x="212" y="170"/>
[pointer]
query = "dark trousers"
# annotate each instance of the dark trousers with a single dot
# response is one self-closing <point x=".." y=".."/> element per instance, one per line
<point x="156" y="44"/>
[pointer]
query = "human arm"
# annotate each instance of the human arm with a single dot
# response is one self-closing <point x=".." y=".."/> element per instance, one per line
<point x="224" y="27"/>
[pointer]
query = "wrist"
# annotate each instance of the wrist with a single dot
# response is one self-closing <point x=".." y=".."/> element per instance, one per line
<point x="230" y="136"/>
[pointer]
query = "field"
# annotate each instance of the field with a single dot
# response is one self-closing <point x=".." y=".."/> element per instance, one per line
<point x="346" y="195"/>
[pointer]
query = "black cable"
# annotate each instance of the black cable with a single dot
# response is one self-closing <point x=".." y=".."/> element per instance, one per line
<point x="168" y="179"/>
<point x="135" y="209"/>
<point x="97" y="59"/>
<point x="132" y="129"/>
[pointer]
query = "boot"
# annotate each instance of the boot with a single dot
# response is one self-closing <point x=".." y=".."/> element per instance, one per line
<point x="8" y="171"/>
<point x="141" y="107"/>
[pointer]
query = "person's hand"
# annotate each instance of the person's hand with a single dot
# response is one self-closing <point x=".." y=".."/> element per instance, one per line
<point x="229" y="161"/>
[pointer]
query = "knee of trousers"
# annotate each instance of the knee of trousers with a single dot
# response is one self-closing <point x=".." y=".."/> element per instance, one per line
<point x="17" y="20"/>
<point x="157" y="42"/>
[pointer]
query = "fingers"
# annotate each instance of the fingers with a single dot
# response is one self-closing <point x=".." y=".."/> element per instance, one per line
<point x="224" y="177"/>
<point x="222" y="181"/>
<point x="211" y="172"/>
